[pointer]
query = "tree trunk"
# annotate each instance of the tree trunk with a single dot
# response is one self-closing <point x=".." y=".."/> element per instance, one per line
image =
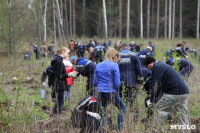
<point x="180" y="34"/>
<point x="84" y="18"/>
<point x="141" y="19"/>
<point x="128" y="19"/>
<point x="158" y="17"/>
<point x="170" y="19"/>
<point x="66" y="18"/>
<point x="148" y="17"/>
<point x="70" y="18"/>
<point x="173" y="22"/>
<point x="38" y="20"/>
<point x="59" y="22"/>
<point x="105" y="19"/>
<point x="120" y="18"/>
<point x="74" y="18"/>
<point x="198" y="6"/>
<point x="10" y="41"/>
<point x="54" y="23"/>
<point x="110" y="18"/>
<point x="165" y="31"/>
<point x="44" y="22"/>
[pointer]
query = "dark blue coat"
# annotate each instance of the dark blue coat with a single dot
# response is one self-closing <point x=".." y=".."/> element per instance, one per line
<point x="185" y="67"/>
<point x="85" y="67"/>
<point x="130" y="68"/>
<point x="166" y="80"/>
<point x="59" y="83"/>
<point x="99" y="53"/>
<point x="143" y="54"/>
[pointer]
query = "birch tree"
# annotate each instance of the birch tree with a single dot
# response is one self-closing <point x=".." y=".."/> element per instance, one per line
<point x="128" y="19"/>
<point x="158" y="17"/>
<point x="165" y="26"/>
<point x="180" y="34"/>
<point x="44" y="21"/>
<point x="60" y="24"/>
<point x="120" y="18"/>
<point x="54" y="23"/>
<point x="197" y="30"/>
<point x="170" y="19"/>
<point x="105" y="19"/>
<point x="148" y="17"/>
<point x="141" y="19"/>
<point x="66" y="18"/>
<point x="173" y="22"/>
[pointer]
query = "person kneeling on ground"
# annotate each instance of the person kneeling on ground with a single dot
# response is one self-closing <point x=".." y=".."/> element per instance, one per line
<point x="169" y="93"/>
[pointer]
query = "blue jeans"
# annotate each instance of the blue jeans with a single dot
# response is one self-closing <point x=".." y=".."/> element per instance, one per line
<point x="107" y="98"/>
<point x="68" y="93"/>
<point x="57" y="109"/>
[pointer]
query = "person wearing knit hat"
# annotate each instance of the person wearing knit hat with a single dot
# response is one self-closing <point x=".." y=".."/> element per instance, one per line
<point x="148" y="60"/>
<point x="169" y="93"/>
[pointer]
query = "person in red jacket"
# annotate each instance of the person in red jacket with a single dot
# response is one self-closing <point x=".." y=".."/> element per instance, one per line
<point x="70" y="80"/>
<point x="71" y="45"/>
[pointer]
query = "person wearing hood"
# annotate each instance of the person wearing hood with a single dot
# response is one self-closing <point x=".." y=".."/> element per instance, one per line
<point x="59" y="84"/>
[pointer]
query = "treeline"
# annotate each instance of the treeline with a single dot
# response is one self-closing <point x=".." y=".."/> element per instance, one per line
<point x="66" y="19"/>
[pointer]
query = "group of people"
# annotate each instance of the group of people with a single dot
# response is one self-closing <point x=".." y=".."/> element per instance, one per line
<point x="44" y="51"/>
<point x="115" y="80"/>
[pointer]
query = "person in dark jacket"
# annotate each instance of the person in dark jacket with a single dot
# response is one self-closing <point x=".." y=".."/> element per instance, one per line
<point x="169" y="93"/>
<point x="36" y="51"/>
<point x="80" y="50"/>
<point x="152" y="46"/>
<point x="179" y="51"/>
<point x="185" y="67"/>
<point x="91" y="44"/>
<point x="107" y="81"/>
<point x="130" y="76"/>
<point x="144" y="53"/>
<point x="59" y="84"/>
<point x="100" y="52"/>
<point x="86" y="68"/>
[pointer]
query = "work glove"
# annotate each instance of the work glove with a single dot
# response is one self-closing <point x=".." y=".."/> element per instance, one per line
<point x="72" y="74"/>
<point x="149" y="104"/>
<point x="44" y="84"/>
<point x="96" y="115"/>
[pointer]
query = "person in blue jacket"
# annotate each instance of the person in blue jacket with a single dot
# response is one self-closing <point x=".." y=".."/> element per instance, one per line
<point x="107" y="81"/>
<point x="185" y="67"/>
<point x="36" y="51"/>
<point x="169" y="93"/>
<point x="144" y="53"/>
<point x="100" y="52"/>
<point x="86" y="68"/>
<point x="80" y="50"/>
<point x="130" y="75"/>
<point x="152" y="46"/>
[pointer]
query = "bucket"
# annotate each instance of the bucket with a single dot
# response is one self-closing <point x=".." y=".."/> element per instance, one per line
<point x="43" y="93"/>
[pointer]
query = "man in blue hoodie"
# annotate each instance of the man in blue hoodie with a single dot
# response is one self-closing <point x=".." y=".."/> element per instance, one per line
<point x="130" y="76"/>
<point x="169" y="93"/>
<point x="86" y="68"/>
